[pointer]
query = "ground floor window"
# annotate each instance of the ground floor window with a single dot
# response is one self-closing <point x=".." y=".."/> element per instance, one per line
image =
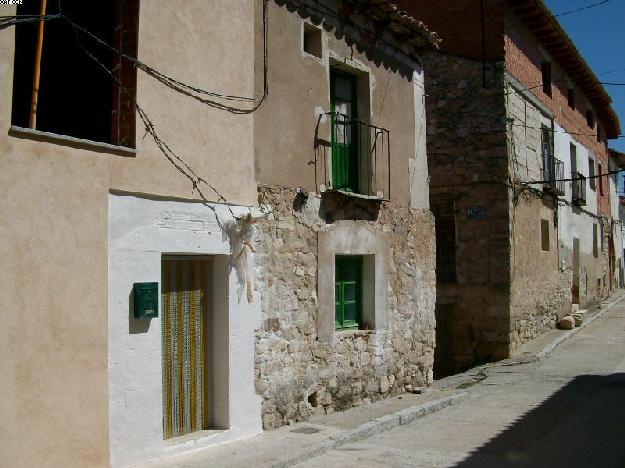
<point x="348" y="292"/>
<point x="185" y="343"/>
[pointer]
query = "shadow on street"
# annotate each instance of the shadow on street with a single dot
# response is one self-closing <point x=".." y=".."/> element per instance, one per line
<point x="581" y="425"/>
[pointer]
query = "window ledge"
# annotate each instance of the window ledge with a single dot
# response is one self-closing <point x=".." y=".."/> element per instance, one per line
<point x="64" y="140"/>
<point x="340" y="334"/>
<point x="379" y="197"/>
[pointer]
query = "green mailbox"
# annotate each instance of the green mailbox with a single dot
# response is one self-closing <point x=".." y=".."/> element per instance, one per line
<point x="145" y="297"/>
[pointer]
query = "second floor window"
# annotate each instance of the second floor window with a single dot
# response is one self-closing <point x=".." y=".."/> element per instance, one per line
<point x="344" y="107"/>
<point x="58" y="88"/>
<point x="600" y="177"/>
<point x="547" y="151"/>
<point x="359" y="160"/>
<point x="546" y="75"/>
<point x="591" y="174"/>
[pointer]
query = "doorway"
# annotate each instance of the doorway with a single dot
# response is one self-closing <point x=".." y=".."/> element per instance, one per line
<point x="186" y="346"/>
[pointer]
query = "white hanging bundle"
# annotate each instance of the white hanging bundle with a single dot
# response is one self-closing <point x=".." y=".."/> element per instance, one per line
<point x="240" y="233"/>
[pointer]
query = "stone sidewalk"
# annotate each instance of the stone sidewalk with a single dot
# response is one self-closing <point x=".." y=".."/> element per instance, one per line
<point x="290" y="445"/>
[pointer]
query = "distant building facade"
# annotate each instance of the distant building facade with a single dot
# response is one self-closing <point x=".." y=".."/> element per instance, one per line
<point x="517" y="146"/>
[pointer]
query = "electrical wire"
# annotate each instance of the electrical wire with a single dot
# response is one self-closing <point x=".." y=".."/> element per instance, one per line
<point x="169" y="154"/>
<point x="612" y="71"/>
<point x="178" y="163"/>
<point x="577" y="10"/>
<point x="190" y="90"/>
<point x="573" y="179"/>
<point x="207" y="97"/>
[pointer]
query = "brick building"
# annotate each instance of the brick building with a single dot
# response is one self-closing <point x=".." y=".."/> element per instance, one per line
<point x="516" y="244"/>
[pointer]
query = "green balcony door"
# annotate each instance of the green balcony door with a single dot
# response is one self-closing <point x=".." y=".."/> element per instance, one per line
<point x="348" y="292"/>
<point x="344" y="131"/>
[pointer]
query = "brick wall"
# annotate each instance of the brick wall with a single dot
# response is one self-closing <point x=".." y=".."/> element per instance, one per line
<point x="523" y="61"/>
<point x="459" y="24"/>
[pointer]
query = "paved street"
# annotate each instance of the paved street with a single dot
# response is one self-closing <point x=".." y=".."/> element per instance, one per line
<point x="565" y="411"/>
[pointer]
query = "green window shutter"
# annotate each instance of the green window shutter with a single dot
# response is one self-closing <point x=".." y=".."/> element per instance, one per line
<point x="348" y="292"/>
<point x="344" y="132"/>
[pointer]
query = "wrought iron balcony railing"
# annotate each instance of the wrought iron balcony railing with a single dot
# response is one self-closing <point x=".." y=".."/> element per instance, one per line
<point x="579" y="189"/>
<point x="357" y="159"/>
<point x="553" y="175"/>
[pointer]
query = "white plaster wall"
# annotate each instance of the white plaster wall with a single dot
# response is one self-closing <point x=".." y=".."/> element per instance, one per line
<point x="418" y="166"/>
<point x="562" y="144"/>
<point x="613" y="188"/>
<point x="140" y="231"/>
<point x="621" y="227"/>
<point x="526" y="131"/>
<point x="573" y="222"/>
<point x="617" y="233"/>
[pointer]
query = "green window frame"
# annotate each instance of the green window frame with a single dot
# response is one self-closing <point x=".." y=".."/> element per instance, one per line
<point x="348" y="292"/>
<point x="344" y="132"/>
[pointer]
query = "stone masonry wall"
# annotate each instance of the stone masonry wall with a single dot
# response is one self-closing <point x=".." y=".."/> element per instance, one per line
<point x="540" y="291"/>
<point x="468" y="166"/>
<point x="299" y="375"/>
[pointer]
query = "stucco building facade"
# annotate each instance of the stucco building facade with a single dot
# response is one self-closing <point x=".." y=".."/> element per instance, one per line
<point x="269" y="191"/>
<point x="518" y="162"/>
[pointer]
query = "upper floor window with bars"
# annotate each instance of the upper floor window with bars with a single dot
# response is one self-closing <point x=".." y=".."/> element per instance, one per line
<point x="553" y="168"/>
<point x="360" y="151"/>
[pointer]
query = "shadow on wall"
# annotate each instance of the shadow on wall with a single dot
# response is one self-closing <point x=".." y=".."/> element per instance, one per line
<point x="578" y="426"/>
<point x="136" y="326"/>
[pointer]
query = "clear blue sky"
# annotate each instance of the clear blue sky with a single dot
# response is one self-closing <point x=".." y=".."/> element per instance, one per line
<point x="599" y="34"/>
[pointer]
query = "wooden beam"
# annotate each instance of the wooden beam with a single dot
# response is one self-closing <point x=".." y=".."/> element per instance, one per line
<point x="32" y="121"/>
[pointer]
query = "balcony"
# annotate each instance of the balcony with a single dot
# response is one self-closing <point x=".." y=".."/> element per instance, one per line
<point x="553" y="175"/>
<point x="579" y="189"/>
<point x="357" y="159"/>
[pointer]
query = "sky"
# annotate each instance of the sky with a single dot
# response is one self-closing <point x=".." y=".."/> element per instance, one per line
<point x="599" y="34"/>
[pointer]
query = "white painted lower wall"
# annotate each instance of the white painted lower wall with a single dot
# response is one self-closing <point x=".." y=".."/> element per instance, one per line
<point x="141" y="230"/>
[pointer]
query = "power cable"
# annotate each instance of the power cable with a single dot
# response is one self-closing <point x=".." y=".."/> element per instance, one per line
<point x="169" y="154"/>
<point x="573" y="179"/>
<point x="577" y="10"/>
<point x="177" y="85"/>
<point x="612" y="71"/>
<point x="178" y="163"/>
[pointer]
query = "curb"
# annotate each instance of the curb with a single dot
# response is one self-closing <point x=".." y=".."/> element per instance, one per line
<point x="375" y="426"/>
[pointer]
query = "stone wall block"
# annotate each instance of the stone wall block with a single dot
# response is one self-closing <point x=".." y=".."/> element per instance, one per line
<point x="298" y="375"/>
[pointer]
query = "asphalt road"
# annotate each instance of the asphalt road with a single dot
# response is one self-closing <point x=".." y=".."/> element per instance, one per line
<point x="565" y="411"/>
